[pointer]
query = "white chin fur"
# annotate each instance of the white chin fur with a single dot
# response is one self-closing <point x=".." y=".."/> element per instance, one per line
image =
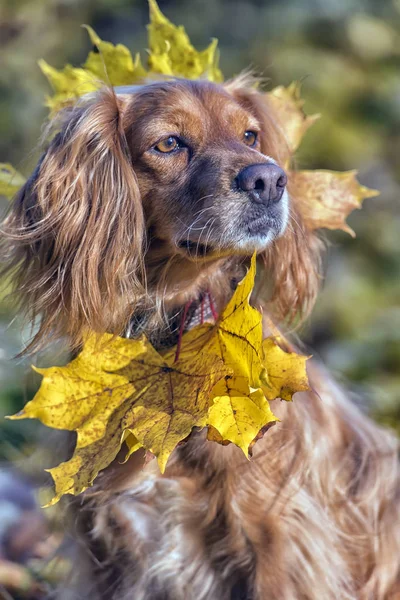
<point x="260" y="242"/>
<point x="257" y="242"/>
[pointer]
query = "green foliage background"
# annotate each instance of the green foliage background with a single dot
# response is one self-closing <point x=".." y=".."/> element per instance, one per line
<point x="347" y="54"/>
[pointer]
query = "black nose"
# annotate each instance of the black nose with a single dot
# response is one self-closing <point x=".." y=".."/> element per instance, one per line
<point x="264" y="182"/>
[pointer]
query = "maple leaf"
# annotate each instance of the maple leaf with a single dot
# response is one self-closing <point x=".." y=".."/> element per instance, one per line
<point x="171" y="52"/>
<point x="113" y="64"/>
<point x="236" y="336"/>
<point x="240" y="409"/>
<point x="238" y="413"/>
<point x="105" y="64"/>
<point x="117" y="387"/>
<point x="10" y="180"/>
<point x="122" y="390"/>
<point x="285" y="372"/>
<point x="288" y="108"/>
<point x="131" y="442"/>
<point x="262" y="371"/>
<point x="69" y="84"/>
<point x="75" y="475"/>
<point x="326" y="198"/>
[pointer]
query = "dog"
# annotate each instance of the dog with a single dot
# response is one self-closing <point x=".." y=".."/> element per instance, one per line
<point x="147" y="200"/>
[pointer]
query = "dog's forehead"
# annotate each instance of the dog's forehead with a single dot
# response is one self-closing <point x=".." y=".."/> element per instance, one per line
<point x="185" y="103"/>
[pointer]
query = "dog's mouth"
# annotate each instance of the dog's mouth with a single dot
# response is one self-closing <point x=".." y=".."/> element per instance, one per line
<point x="253" y="241"/>
<point x="195" y="249"/>
<point x="254" y="233"/>
<point x="203" y="252"/>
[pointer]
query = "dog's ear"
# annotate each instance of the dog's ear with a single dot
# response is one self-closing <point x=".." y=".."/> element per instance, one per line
<point x="74" y="236"/>
<point x="292" y="262"/>
<point x="293" y="272"/>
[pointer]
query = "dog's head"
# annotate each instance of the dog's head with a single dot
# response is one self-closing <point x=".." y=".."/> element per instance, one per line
<point x="208" y="183"/>
<point x="175" y="175"/>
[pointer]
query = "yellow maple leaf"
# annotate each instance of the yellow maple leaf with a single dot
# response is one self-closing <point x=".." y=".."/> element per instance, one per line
<point x="113" y="64"/>
<point x="75" y="475"/>
<point x="326" y="198"/>
<point x="118" y="386"/>
<point x="69" y="84"/>
<point x="288" y="108"/>
<point x="285" y="372"/>
<point x="122" y="390"/>
<point x="132" y="443"/>
<point x="106" y="64"/>
<point x="262" y="371"/>
<point x="236" y="336"/>
<point x="10" y="180"/>
<point x="238" y="413"/>
<point x="171" y="52"/>
<point x="240" y="409"/>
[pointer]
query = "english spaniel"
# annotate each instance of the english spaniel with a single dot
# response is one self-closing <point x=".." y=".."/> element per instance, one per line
<point x="149" y="198"/>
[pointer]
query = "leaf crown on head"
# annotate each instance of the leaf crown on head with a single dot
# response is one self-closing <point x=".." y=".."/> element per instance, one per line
<point x="325" y="198"/>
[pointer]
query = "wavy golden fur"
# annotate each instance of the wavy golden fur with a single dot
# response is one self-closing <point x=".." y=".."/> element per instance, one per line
<point x="115" y="233"/>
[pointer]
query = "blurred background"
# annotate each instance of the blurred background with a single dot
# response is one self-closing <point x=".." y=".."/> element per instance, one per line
<point x="346" y="53"/>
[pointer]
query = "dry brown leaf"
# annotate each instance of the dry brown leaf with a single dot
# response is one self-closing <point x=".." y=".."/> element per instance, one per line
<point x="288" y="107"/>
<point x="326" y="198"/>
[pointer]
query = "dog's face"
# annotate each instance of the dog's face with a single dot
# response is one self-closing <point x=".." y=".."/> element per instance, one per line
<point x="207" y="187"/>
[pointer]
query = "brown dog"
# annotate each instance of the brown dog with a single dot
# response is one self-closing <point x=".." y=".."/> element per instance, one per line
<point x="145" y="200"/>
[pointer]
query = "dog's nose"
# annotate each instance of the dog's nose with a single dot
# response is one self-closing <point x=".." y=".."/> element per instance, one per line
<point x="264" y="182"/>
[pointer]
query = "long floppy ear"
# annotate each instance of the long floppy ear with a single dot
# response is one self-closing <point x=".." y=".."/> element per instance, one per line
<point x="292" y="263"/>
<point x="74" y="237"/>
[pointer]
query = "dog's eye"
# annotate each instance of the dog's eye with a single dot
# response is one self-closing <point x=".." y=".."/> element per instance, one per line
<point x="250" y="138"/>
<point x="168" y="145"/>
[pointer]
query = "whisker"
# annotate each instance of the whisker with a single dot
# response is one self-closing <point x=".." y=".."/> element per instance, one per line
<point x="199" y="212"/>
<point x="294" y="219"/>
<point x="209" y="234"/>
<point x="201" y="233"/>
<point x="198" y="216"/>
